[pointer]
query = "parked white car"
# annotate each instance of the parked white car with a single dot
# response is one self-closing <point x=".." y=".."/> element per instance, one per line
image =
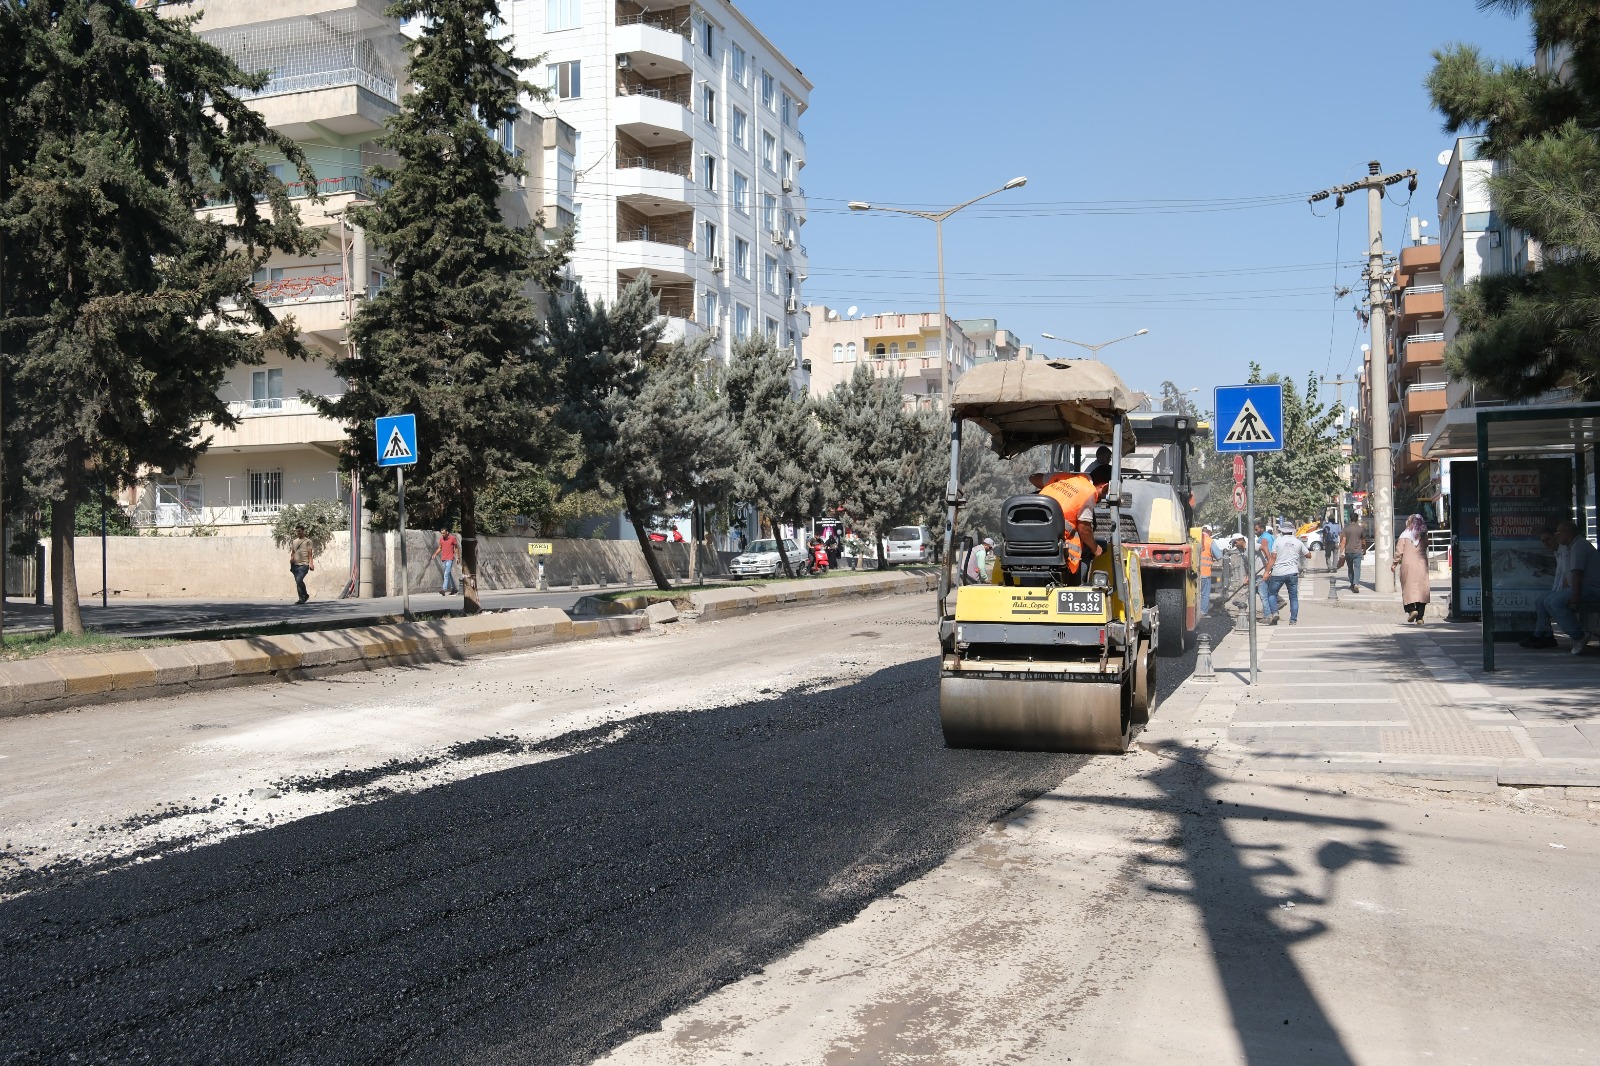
<point x="908" y="544"/>
<point x="761" y="560"/>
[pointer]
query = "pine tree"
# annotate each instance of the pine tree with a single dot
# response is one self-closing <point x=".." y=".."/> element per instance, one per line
<point x="863" y="425"/>
<point x="1523" y="334"/>
<point x="646" y="415"/>
<point x="454" y="336"/>
<point x="124" y="310"/>
<point x="774" y="431"/>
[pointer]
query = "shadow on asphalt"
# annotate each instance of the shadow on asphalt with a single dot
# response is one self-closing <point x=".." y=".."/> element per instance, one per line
<point x="541" y="914"/>
<point x="1276" y="1013"/>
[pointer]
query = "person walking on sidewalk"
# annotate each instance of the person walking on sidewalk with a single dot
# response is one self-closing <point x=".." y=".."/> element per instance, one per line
<point x="1288" y="559"/>
<point x="449" y="544"/>
<point x="1331" y="531"/>
<point x="302" y="560"/>
<point x="1411" y="559"/>
<point x="1354" y="545"/>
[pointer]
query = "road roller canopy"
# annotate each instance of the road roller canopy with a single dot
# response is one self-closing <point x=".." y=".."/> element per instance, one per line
<point x="1025" y="403"/>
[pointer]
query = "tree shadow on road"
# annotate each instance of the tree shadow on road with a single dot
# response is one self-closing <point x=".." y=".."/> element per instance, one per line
<point x="1257" y="900"/>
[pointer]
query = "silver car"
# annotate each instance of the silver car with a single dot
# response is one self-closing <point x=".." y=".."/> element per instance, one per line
<point x="908" y="544"/>
<point x="761" y="560"/>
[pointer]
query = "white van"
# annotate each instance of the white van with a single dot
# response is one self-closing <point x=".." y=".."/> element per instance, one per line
<point x="909" y="544"/>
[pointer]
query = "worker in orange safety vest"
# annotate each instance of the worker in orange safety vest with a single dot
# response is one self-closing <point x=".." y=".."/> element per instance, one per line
<point x="1077" y="494"/>
<point x="1205" y="569"/>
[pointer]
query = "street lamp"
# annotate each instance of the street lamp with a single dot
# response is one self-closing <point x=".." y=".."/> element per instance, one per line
<point x="937" y="218"/>
<point x="1094" y="349"/>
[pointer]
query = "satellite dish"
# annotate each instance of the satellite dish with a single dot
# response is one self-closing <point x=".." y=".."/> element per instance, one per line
<point x="850" y="312"/>
<point x="833" y="316"/>
<point x="1444" y="158"/>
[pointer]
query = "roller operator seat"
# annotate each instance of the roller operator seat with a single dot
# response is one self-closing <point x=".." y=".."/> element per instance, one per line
<point x="1032" y="548"/>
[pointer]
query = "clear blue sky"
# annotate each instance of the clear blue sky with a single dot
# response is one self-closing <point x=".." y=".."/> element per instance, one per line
<point x="927" y="103"/>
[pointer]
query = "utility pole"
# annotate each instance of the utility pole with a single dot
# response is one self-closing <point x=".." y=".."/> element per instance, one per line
<point x="1382" y="500"/>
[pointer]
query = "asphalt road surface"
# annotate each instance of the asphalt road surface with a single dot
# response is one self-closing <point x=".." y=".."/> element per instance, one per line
<point x="469" y="874"/>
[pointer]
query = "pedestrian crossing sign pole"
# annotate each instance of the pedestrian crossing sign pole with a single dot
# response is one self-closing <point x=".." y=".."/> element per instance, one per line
<point x="397" y="447"/>
<point x="1253" y="417"/>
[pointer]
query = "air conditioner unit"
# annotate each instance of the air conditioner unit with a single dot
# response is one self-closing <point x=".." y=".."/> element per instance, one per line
<point x="624" y="63"/>
<point x="715" y="333"/>
<point x="788" y="185"/>
<point x="777" y="236"/>
<point x="794" y="304"/>
<point x="788" y="242"/>
<point x="716" y="264"/>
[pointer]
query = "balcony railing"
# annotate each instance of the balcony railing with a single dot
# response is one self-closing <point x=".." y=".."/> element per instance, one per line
<point x="1423" y="338"/>
<point x="1417" y="290"/>
<point x="284" y="405"/>
<point x="327" y="79"/>
<point x="339" y="184"/>
<point x="301" y="290"/>
<point x="1428" y="386"/>
<point x="655" y="236"/>
<point x="681" y="99"/>
<point x="680" y="27"/>
<point x="665" y="166"/>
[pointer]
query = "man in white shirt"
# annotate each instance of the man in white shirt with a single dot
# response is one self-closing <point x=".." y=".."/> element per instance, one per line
<point x="1576" y="587"/>
<point x="1288" y="559"/>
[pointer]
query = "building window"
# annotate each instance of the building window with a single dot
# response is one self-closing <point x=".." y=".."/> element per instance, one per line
<point x="740" y="126"/>
<point x="788" y="223"/>
<point x="266" y="389"/>
<point x="788" y="166"/>
<point x="769" y="212"/>
<point x="769" y="274"/>
<point x="911" y="346"/>
<point x="708" y="172"/>
<point x="788" y="109"/>
<point x="179" y="503"/>
<point x="708" y="309"/>
<point x="741" y="257"/>
<point x="708" y="42"/>
<point x="708" y="231"/>
<point x="266" y="489"/>
<point x="564" y="80"/>
<point x="768" y="92"/>
<point x="741" y="69"/>
<point x="769" y="150"/>
<point x="838" y="352"/>
<point x="772" y="328"/>
<point x="880" y="350"/>
<point x="562" y="14"/>
<point x="850" y="352"/>
<point x="741" y="193"/>
<point x="708" y="104"/>
<point x="741" y="321"/>
<point x="894" y="347"/>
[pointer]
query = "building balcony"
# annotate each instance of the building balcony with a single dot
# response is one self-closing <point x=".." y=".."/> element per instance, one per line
<point x="275" y="424"/>
<point x="667" y="258"/>
<point x="654" y="120"/>
<point x="652" y="187"/>
<point x="343" y="103"/>
<point x="317" y="304"/>
<point x="1416" y="259"/>
<point x="1421" y="301"/>
<point x="1420" y="350"/>
<point x="651" y="48"/>
<point x="1411" y="455"/>
<point x="1427" y="398"/>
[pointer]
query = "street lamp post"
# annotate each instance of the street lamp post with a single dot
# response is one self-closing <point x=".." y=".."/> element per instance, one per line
<point x="1094" y="349"/>
<point x="937" y="218"/>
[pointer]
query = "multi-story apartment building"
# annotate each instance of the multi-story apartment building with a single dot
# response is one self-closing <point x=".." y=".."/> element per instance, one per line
<point x="903" y="343"/>
<point x="686" y="159"/>
<point x="337" y="73"/>
<point x="994" y="344"/>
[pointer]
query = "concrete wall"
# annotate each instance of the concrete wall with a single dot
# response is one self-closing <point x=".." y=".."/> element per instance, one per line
<point x="254" y="568"/>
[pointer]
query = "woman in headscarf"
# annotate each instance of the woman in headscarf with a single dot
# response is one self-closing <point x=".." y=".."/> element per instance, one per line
<point x="1411" y="557"/>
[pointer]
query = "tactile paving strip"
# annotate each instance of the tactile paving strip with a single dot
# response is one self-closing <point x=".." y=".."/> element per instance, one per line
<point x="1495" y="743"/>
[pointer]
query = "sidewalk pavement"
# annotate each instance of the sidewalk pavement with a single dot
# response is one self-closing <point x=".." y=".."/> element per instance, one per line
<point x="1341" y="691"/>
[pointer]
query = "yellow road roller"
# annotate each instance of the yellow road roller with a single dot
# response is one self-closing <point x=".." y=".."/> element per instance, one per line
<point x="1044" y="658"/>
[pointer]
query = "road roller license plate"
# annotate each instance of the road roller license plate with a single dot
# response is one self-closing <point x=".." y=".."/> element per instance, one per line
<point x="1078" y="601"/>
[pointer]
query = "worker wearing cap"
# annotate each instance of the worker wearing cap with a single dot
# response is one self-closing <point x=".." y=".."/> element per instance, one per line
<point x="1077" y="494"/>
<point x="1205" y="569"/>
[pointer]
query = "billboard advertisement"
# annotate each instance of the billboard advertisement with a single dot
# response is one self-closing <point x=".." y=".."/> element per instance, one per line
<point x="1526" y="497"/>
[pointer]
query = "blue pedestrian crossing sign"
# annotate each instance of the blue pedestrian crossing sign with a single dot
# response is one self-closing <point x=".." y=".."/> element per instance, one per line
<point x="1249" y="418"/>
<point x="397" y="440"/>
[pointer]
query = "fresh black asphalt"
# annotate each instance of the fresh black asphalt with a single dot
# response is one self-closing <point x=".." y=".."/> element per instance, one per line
<point x="541" y="914"/>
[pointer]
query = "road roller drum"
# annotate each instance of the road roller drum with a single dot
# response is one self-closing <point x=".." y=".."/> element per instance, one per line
<point x="1042" y="715"/>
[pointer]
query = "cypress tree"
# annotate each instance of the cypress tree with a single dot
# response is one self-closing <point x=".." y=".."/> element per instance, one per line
<point x="1523" y="334"/>
<point x="453" y="337"/>
<point x="647" y="416"/>
<point x="774" y="431"/>
<point x="123" y="308"/>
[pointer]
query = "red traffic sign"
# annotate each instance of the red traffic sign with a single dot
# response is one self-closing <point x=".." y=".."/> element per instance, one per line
<point x="1238" y="498"/>
<point x="1238" y="470"/>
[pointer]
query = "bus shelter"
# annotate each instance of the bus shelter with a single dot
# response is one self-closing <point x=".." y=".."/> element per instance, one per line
<point x="1529" y="467"/>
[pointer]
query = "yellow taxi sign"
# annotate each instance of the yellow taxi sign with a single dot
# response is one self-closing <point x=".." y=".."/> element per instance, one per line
<point x="541" y="547"/>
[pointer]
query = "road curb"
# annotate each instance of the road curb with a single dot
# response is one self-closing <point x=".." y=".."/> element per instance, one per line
<point x="34" y="686"/>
